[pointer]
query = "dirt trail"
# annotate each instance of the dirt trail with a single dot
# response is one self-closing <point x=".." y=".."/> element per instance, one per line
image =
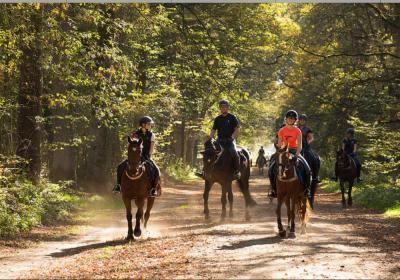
<point x="350" y="243"/>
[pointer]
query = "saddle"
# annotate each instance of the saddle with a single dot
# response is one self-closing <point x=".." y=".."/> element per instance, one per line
<point x="303" y="171"/>
<point x="153" y="171"/>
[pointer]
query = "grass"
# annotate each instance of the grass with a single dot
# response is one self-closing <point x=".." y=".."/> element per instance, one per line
<point x="380" y="196"/>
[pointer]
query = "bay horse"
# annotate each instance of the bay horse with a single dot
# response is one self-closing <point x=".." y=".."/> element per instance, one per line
<point x="218" y="168"/>
<point x="346" y="171"/>
<point x="291" y="192"/>
<point x="135" y="185"/>
<point x="261" y="162"/>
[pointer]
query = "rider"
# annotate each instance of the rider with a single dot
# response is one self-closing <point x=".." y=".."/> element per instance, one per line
<point x="290" y="136"/>
<point x="143" y="132"/>
<point x="349" y="145"/>
<point x="261" y="154"/>
<point x="307" y="134"/>
<point x="227" y="127"/>
<point x="307" y="139"/>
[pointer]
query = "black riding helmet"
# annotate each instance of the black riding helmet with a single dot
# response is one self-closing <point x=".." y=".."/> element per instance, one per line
<point x="145" y="119"/>
<point x="303" y="117"/>
<point x="350" y="131"/>
<point x="223" y="102"/>
<point x="292" y="114"/>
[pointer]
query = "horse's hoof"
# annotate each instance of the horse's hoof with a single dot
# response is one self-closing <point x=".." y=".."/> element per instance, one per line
<point x="207" y="217"/>
<point x="292" y="235"/>
<point x="137" y="232"/>
<point x="282" y="233"/>
<point x="130" y="237"/>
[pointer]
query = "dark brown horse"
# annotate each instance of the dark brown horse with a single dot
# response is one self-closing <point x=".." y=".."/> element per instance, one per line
<point x="218" y="168"/>
<point x="346" y="171"/>
<point x="290" y="192"/>
<point x="135" y="185"/>
<point x="261" y="162"/>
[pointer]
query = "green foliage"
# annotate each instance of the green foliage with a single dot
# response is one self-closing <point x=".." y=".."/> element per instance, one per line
<point x="381" y="196"/>
<point x="24" y="205"/>
<point x="177" y="170"/>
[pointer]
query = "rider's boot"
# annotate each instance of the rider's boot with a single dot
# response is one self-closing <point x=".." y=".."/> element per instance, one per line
<point x="200" y="174"/>
<point x="117" y="188"/>
<point x="236" y="175"/>
<point x="153" y="192"/>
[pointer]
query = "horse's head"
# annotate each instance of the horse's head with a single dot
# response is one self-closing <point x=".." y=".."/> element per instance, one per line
<point x="286" y="161"/>
<point x="342" y="159"/>
<point x="134" y="151"/>
<point x="210" y="155"/>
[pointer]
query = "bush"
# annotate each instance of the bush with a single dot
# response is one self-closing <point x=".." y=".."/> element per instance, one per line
<point x="176" y="169"/>
<point x="24" y="205"/>
<point x="378" y="195"/>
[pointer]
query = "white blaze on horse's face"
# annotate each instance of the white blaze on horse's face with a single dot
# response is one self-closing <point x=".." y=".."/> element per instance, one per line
<point x="134" y="149"/>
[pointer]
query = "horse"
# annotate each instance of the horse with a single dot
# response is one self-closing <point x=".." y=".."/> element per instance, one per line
<point x="261" y="162"/>
<point x="290" y="191"/>
<point x="346" y="171"/>
<point x="135" y="185"/>
<point x="218" y="168"/>
<point x="314" y="162"/>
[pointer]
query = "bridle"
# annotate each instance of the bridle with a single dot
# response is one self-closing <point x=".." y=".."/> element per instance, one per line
<point x="139" y="171"/>
<point x="280" y="171"/>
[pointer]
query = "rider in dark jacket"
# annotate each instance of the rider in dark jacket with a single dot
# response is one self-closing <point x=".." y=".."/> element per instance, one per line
<point x="144" y="132"/>
<point x="227" y="127"/>
<point x="349" y="145"/>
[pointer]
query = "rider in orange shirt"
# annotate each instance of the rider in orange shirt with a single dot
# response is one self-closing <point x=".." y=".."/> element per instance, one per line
<point x="291" y="136"/>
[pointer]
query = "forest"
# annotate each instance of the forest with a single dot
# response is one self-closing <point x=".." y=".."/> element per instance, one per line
<point x="75" y="79"/>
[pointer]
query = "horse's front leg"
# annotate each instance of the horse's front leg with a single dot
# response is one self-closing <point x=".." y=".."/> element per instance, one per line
<point x="128" y="207"/>
<point x="230" y="198"/>
<point x="292" y="202"/>
<point x="223" y="201"/>
<point x="139" y="214"/>
<point x="150" y="203"/>
<point x="349" y="197"/>
<point x="342" y="191"/>
<point x="282" y="232"/>
<point x="207" y="188"/>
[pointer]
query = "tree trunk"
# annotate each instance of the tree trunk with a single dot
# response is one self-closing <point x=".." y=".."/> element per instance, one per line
<point x="30" y="91"/>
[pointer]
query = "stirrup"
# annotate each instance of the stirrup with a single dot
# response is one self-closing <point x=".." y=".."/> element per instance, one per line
<point x="117" y="188"/>
<point x="153" y="192"/>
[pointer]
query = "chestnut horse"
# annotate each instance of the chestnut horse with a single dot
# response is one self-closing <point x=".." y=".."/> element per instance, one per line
<point x="135" y="185"/>
<point x="290" y="191"/>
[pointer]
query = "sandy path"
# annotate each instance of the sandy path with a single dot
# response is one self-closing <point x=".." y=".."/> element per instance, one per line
<point x="351" y="243"/>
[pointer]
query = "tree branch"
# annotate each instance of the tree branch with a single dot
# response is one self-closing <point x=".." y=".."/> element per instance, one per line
<point x="349" y="54"/>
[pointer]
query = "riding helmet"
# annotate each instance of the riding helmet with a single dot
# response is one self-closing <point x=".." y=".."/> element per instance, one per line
<point x="145" y="119"/>
<point x="223" y="102"/>
<point x="350" y="131"/>
<point x="303" y="117"/>
<point x="291" y="114"/>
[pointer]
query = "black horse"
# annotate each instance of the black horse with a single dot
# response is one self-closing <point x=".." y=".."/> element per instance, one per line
<point x="218" y="168"/>
<point x="261" y="162"/>
<point x="346" y="171"/>
<point x="314" y="162"/>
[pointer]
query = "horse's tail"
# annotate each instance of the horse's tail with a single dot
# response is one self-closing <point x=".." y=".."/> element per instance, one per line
<point x="303" y="209"/>
<point x="244" y="188"/>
